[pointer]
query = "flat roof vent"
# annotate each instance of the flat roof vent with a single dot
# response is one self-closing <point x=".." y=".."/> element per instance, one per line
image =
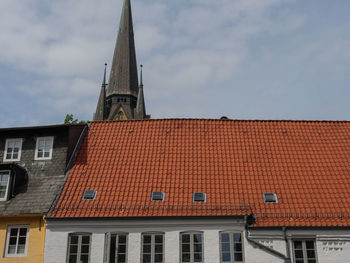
<point x="89" y="195"/>
<point x="199" y="197"/>
<point x="157" y="196"/>
<point x="270" y="198"/>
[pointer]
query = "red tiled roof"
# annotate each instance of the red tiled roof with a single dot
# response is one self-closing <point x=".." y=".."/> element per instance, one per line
<point x="306" y="163"/>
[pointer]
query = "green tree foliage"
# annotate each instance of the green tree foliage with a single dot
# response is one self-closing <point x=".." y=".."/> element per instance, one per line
<point x="70" y="120"/>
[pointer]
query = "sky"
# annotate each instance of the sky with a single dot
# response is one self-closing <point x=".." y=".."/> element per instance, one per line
<point x="243" y="59"/>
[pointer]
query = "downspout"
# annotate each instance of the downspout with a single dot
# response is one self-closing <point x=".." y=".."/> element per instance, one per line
<point x="249" y="221"/>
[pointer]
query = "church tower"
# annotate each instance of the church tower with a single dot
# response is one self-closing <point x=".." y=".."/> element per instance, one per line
<point x="122" y="98"/>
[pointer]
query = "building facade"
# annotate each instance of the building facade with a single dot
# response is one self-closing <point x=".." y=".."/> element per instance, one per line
<point x="33" y="162"/>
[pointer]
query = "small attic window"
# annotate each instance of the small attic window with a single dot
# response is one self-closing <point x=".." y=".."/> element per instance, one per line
<point x="89" y="195"/>
<point x="157" y="196"/>
<point x="199" y="197"/>
<point x="270" y="198"/>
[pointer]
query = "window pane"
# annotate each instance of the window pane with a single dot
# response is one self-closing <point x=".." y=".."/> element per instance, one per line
<point x="85" y="249"/>
<point x="146" y="248"/>
<point x="146" y="258"/>
<point x="74" y="239"/>
<point x="47" y="154"/>
<point x="158" y="248"/>
<point x="22" y="240"/>
<point x="185" y="247"/>
<point x="186" y="258"/>
<point x="11" y="249"/>
<point x="298" y="254"/>
<point x="309" y="244"/>
<point x="73" y="249"/>
<point x="158" y="258"/>
<point x="197" y="238"/>
<point x="146" y="239"/>
<point x="14" y="232"/>
<point x="311" y="261"/>
<point x="85" y="240"/>
<point x="8" y="156"/>
<point x="311" y="254"/>
<point x="121" y="248"/>
<point x="297" y="245"/>
<point x="122" y="239"/>
<point x="15" y="156"/>
<point x="238" y="257"/>
<point x="226" y="257"/>
<point x="197" y="248"/>
<point x="238" y="247"/>
<point x="225" y="247"/>
<point x="185" y="238"/>
<point x="121" y="258"/>
<point x="40" y="153"/>
<point x="13" y="241"/>
<point x="237" y="237"/>
<point x="20" y="249"/>
<point x="84" y="259"/>
<point x="225" y="238"/>
<point x="23" y="231"/>
<point x="158" y="239"/>
<point x="198" y="257"/>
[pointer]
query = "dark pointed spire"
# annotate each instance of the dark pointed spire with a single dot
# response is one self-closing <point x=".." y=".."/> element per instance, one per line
<point x="140" y="106"/>
<point x="123" y="78"/>
<point x="100" y="109"/>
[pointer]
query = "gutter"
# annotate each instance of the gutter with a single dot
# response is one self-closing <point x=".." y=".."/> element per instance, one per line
<point x="250" y="221"/>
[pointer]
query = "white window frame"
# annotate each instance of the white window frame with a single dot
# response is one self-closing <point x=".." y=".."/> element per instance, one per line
<point x="304" y="250"/>
<point x="108" y="246"/>
<point x="153" y="243"/>
<point x="192" y="252"/>
<point x="7" y="255"/>
<point x="20" y="140"/>
<point x="37" y="148"/>
<point x="80" y="236"/>
<point x="7" y="187"/>
<point x="232" y="243"/>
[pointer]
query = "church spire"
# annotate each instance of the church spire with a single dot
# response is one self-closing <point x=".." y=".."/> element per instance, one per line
<point x="100" y="109"/>
<point x="123" y="78"/>
<point x="140" y="106"/>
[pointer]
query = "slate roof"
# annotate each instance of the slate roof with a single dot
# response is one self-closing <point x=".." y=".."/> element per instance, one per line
<point x="306" y="163"/>
<point x="36" y="197"/>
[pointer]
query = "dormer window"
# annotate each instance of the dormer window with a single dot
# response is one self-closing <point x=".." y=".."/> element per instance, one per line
<point x="199" y="197"/>
<point x="270" y="198"/>
<point x="13" y="150"/>
<point x="4" y="184"/>
<point x="157" y="196"/>
<point x="43" y="150"/>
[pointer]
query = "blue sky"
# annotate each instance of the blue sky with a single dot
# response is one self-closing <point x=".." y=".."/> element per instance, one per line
<point x="244" y="59"/>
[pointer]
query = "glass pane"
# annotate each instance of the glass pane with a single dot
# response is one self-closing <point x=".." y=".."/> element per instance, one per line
<point x="85" y="249"/>
<point x="15" y="150"/>
<point x="47" y="154"/>
<point x="299" y="261"/>
<point x="225" y="246"/>
<point x="146" y="239"/>
<point x="72" y="259"/>
<point x="158" y="258"/>
<point x="13" y="241"/>
<point x="146" y="258"/>
<point x="197" y="248"/>
<point x="158" y="239"/>
<point x="158" y="248"/>
<point x="309" y="244"/>
<point x="238" y="257"/>
<point x="225" y="238"/>
<point x="121" y="258"/>
<point x="85" y="239"/>
<point x="310" y="254"/>
<point x="23" y="232"/>
<point x="40" y="153"/>
<point x="311" y="261"/>
<point x="121" y="248"/>
<point x="15" y="156"/>
<point x="186" y="258"/>
<point x="185" y="238"/>
<point x="197" y="238"/>
<point x="22" y="240"/>
<point x="297" y="245"/>
<point x="146" y="248"/>
<point x="197" y="257"/>
<point x="84" y="259"/>
<point x="298" y="254"/>
<point x="185" y="247"/>
<point x="13" y="232"/>
<point x="226" y="257"/>
<point x="73" y="249"/>
<point x="238" y="247"/>
<point x="237" y="237"/>
<point x="122" y="239"/>
<point x="20" y="249"/>
<point x="74" y="239"/>
<point x="11" y="249"/>
<point x="8" y="156"/>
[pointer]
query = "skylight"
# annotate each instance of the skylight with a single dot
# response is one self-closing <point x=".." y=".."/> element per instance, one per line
<point x="270" y="198"/>
<point x="157" y="196"/>
<point x="199" y="197"/>
<point x="89" y="195"/>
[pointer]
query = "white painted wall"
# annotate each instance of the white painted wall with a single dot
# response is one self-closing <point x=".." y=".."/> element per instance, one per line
<point x="332" y="245"/>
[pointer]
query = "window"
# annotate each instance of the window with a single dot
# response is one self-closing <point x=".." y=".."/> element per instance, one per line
<point x="157" y="196"/>
<point x="199" y="197"/>
<point x="79" y="248"/>
<point x="13" y="149"/>
<point x="231" y="247"/>
<point x="152" y="248"/>
<point x="191" y="247"/>
<point x="17" y="240"/>
<point x="4" y="184"/>
<point x="89" y="195"/>
<point x="43" y="149"/>
<point x="304" y="251"/>
<point x="117" y="248"/>
<point x="270" y="198"/>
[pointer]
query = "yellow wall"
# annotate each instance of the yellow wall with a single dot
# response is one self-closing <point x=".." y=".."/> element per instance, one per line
<point x="36" y="238"/>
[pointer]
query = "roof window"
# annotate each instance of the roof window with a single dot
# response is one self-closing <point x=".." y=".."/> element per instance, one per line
<point x="270" y="198"/>
<point x="157" y="196"/>
<point x="89" y="195"/>
<point x="199" y="197"/>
